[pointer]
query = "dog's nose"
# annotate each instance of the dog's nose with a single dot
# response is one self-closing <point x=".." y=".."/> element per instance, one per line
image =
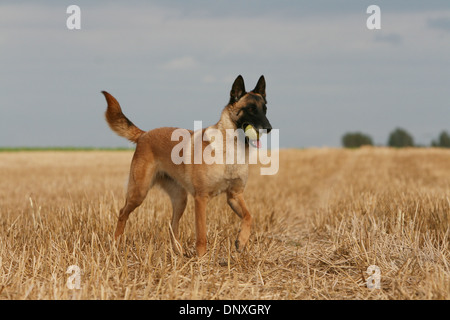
<point x="268" y="128"/>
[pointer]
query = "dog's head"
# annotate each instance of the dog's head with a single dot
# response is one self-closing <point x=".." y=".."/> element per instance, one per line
<point x="249" y="108"/>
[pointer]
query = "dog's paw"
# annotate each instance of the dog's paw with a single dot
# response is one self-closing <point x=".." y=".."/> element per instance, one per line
<point x="238" y="245"/>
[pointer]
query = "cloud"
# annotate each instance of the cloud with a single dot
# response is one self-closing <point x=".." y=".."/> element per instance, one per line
<point x="213" y="79"/>
<point x="442" y="23"/>
<point x="209" y="79"/>
<point x="182" y="63"/>
<point x="390" y="38"/>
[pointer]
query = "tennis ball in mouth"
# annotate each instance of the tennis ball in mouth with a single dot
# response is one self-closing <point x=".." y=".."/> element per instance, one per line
<point x="251" y="133"/>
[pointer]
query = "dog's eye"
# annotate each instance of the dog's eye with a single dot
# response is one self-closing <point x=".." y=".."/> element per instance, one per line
<point x="252" y="108"/>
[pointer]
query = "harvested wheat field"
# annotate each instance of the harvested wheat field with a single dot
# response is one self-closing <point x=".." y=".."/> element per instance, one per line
<point x="319" y="224"/>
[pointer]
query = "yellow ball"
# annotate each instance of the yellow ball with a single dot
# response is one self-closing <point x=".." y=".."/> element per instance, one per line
<point x="251" y="133"/>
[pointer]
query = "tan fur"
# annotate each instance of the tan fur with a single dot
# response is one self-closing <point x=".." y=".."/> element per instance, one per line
<point x="118" y="122"/>
<point x="152" y="164"/>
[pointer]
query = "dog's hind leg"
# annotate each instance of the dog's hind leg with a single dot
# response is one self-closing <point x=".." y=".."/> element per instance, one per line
<point x="139" y="182"/>
<point x="237" y="203"/>
<point x="178" y="197"/>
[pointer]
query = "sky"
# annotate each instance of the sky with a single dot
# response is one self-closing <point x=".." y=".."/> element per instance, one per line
<point x="170" y="63"/>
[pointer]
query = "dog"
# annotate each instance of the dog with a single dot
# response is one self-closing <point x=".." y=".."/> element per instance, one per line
<point x="152" y="165"/>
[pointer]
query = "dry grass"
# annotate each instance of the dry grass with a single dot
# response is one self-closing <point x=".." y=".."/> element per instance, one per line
<point x="318" y="224"/>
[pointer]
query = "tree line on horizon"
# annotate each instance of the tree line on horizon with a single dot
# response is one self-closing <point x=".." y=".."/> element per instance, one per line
<point x="399" y="138"/>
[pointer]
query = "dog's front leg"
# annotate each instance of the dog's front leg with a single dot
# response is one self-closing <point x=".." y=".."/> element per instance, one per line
<point x="237" y="203"/>
<point x="200" y="223"/>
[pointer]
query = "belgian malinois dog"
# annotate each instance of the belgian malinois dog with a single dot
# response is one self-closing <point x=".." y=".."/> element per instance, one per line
<point x="152" y="164"/>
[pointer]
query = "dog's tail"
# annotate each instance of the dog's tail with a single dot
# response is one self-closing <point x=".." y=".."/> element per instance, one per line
<point x="118" y="122"/>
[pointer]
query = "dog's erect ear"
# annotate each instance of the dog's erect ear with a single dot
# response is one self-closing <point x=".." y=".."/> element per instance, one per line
<point x="237" y="90"/>
<point x="261" y="87"/>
